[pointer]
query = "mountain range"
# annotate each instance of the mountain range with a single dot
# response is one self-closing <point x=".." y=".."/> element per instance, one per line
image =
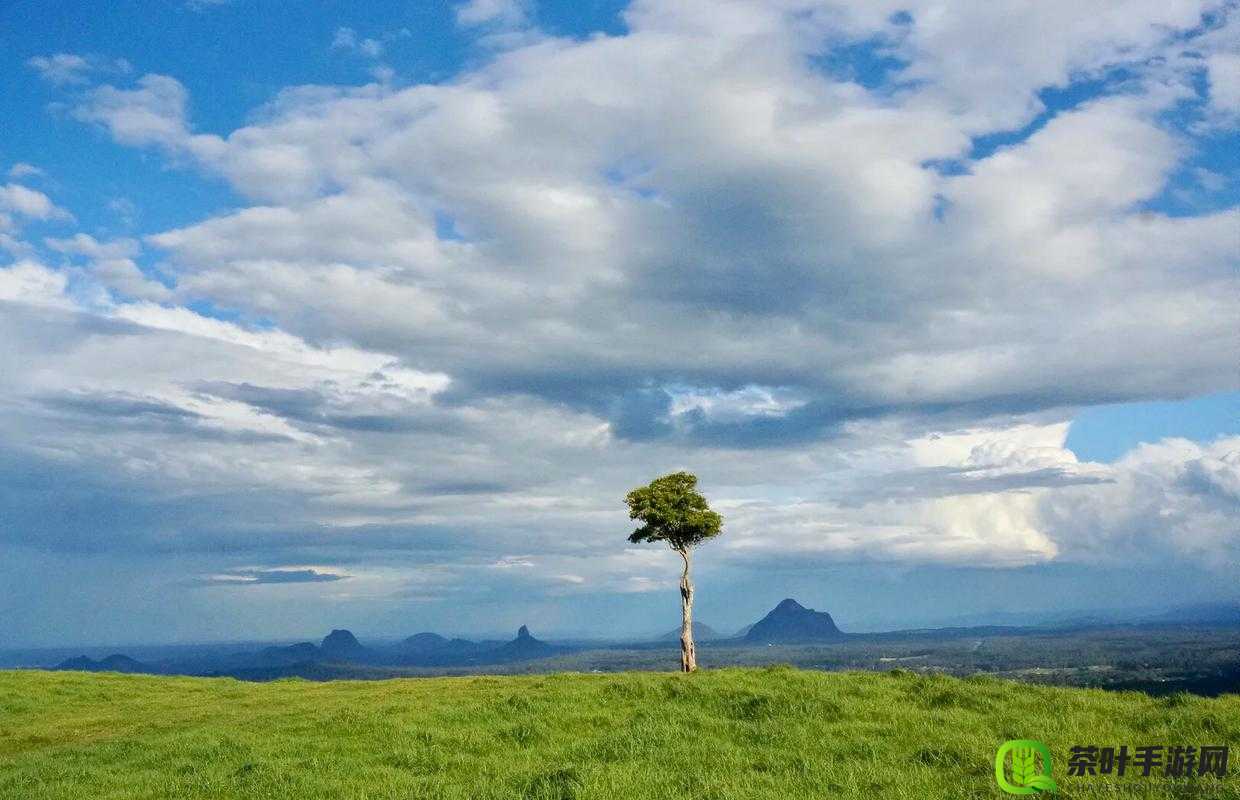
<point x="340" y="647"/>
<point x="420" y="650"/>
<point x="340" y="653"/>
<point x="113" y="663"/>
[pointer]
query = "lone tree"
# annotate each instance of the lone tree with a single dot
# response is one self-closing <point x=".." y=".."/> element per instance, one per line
<point x="671" y="510"/>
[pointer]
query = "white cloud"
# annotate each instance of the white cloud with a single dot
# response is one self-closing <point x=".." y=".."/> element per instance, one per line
<point x="28" y="202"/>
<point x="24" y="170"/>
<point x="30" y="282"/>
<point x="71" y="69"/>
<point x="347" y="39"/>
<point x="988" y="60"/>
<point x="61" y="68"/>
<point x="1171" y="501"/>
<point x="153" y="113"/>
<point x="85" y="245"/>
<point x="510" y="13"/>
<point x="741" y="404"/>
<point x="1224" y="74"/>
<point x="112" y="265"/>
<point x="1085" y="165"/>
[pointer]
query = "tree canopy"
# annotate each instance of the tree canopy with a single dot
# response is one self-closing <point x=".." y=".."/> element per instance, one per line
<point x="671" y="510"/>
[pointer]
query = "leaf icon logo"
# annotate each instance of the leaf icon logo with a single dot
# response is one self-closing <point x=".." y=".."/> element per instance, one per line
<point x="1030" y="767"/>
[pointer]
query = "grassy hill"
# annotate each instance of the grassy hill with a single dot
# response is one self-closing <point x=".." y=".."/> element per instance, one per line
<point x="735" y="733"/>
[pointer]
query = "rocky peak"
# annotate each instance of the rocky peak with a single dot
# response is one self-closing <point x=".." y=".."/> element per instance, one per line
<point x="340" y="637"/>
<point x="792" y="622"/>
<point x="341" y="644"/>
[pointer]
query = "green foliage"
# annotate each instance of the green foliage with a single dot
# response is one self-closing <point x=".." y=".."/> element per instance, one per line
<point x="671" y="510"/>
<point x="757" y="734"/>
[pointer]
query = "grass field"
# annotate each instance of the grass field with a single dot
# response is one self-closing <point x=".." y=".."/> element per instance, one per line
<point x="735" y="733"/>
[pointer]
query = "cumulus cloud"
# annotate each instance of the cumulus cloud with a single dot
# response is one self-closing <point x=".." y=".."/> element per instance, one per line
<point x="112" y="265"/>
<point x="1173" y="500"/>
<point x="152" y="113"/>
<point x="543" y="262"/>
<point x="29" y="203"/>
<point x="30" y="282"/>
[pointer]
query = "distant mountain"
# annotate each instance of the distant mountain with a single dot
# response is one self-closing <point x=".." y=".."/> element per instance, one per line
<point x="433" y="650"/>
<point x="701" y="633"/>
<point x="341" y="645"/>
<point x="292" y="654"/>
<point x="1199" y="614"/>
<point x="424" y="643"/>
<point x="113" y="663"/>
<point x="522" y="648"/>
<point x="792" y="622"/>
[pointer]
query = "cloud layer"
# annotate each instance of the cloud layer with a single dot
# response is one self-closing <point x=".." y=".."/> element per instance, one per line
<point x="855" y="264"/>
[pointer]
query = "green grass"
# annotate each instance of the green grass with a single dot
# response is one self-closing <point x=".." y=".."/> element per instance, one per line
<point x="735" y="733"/>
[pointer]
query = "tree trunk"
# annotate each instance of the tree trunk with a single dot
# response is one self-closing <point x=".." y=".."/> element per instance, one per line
<point x="688" y="654"/>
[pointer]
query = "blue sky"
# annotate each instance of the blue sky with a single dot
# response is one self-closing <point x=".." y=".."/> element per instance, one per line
<point x="1104" y="433"/>
<point x="338" y="315"/>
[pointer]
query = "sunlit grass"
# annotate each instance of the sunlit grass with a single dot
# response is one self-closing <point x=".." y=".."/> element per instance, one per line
<point x="735" y="733"/>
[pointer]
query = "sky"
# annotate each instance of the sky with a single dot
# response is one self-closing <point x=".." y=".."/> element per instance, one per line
<point x="323" y="314"/>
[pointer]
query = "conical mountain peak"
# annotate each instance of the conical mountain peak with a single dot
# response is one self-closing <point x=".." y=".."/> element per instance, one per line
<point x="792" y="622"/>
